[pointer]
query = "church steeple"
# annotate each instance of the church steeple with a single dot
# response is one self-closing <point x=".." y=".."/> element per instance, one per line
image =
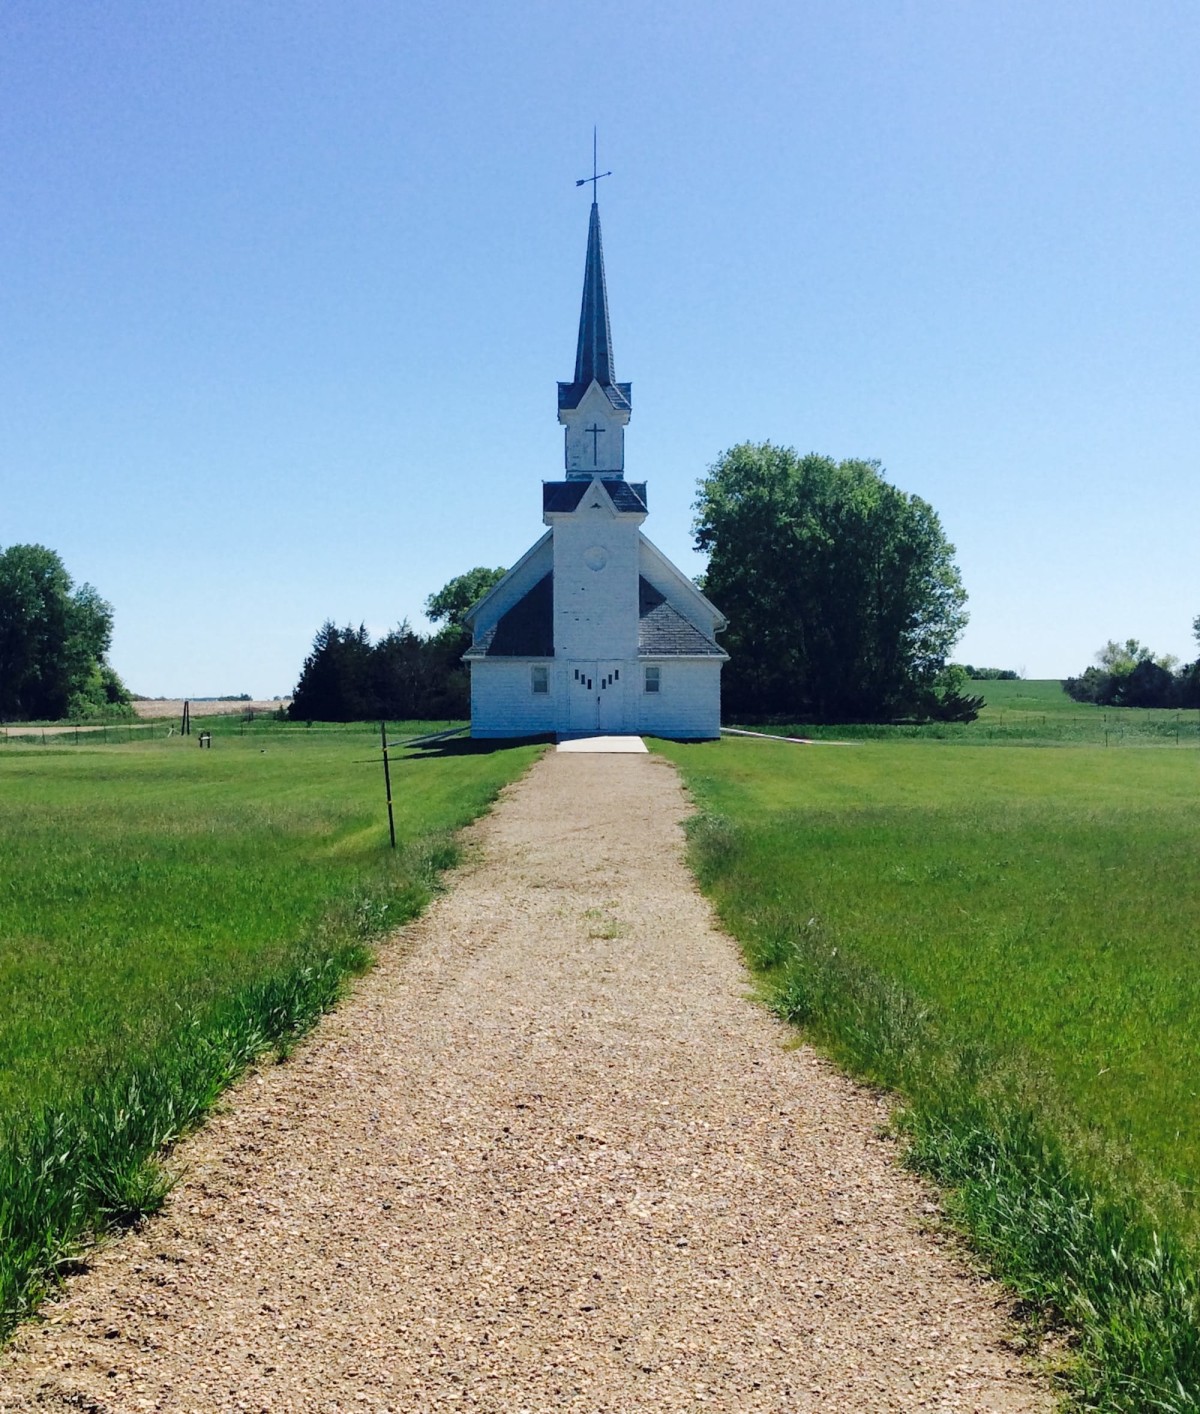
<point x="593" y="396"/>
<point x="593" y="355"/>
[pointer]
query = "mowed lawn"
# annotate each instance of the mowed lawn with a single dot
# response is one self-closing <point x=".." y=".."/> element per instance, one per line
<point x="141" y="884"/>
<point x="1043" y="903"/>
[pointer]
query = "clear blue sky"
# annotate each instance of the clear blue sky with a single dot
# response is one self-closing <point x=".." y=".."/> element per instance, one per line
<point x="287" y="288"/>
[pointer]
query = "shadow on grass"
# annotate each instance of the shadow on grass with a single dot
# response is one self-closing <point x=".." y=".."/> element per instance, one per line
<point x="471" y="746"/>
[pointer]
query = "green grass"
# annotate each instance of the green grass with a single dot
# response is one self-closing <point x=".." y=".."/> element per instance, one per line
<point x="166" y="914"/>
<point x="1007" y="937"/>
<point x="1027" y="713"/>
<point x="1041" y="696"/>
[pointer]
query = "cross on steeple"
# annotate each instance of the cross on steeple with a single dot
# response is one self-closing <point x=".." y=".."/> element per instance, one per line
<point x="595" y="431"/>
<point x="595" y="177"/>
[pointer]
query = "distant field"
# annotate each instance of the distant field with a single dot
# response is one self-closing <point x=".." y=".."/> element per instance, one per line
<point x="1033" y="713"/>
<point x="1008" y="933"/>
<point x="155" y="707"/>
<point x="1037" y="695"/>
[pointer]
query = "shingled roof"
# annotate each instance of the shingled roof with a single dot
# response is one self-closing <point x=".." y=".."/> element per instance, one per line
<point x="570" y="395"/>
<point x="525" y="631"/>
<point x="566" y="495"/>
<point x="663" y="631"/>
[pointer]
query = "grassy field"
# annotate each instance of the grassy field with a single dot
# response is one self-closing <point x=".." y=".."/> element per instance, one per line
<point x="1029" y="713"/>
<point x="168" y="912"/>
<point x="1007" y="937"/>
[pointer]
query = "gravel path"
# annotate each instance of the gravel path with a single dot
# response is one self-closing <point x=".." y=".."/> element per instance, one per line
<point x="548" y="1157"/>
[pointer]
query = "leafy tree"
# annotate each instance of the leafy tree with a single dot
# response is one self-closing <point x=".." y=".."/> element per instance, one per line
<point x="53" y="640"/>
<point x="1148" y="684"/>
<point x="451" y="602"/>
<point x="1131" y="675"/>
<point x="1092" y="685"/>
<point x="841" y="590"/>
<point x="449" y="608"/>
<point x="1122" y="658"/>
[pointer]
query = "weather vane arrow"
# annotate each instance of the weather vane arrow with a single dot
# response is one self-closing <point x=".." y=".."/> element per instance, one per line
<point x="595" y="177"/>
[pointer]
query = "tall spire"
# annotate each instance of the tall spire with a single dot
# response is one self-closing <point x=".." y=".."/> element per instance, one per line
<point x="593" y="355"/>
<point x="593" y="408"/>
<point x="593" y="352"/>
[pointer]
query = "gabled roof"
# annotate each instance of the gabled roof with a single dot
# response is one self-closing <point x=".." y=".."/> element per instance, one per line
<point x="688" y="588"/>
<point x="593" y="353"/>
<point x="521" y="568"/>
<point x="566" y="495"/>
<point x="525" y="631"/>
<point x="664" y="632"/>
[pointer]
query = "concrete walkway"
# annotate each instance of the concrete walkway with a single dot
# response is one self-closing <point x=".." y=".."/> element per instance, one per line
<point x="604" y="744"/>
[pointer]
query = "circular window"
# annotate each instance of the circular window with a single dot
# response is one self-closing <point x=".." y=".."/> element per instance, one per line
<point x="595" y="558"/>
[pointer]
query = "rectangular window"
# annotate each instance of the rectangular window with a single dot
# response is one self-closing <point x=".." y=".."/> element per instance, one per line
<point x="539" y="678"/>
<point x="653" y="677"/>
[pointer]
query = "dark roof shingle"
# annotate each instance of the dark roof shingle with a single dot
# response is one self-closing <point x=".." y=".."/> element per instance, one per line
<point x="663" y="631"/>
<point x="566" y="495"/>
<point x="620" y="395"/>
<point x="525" y="631"/>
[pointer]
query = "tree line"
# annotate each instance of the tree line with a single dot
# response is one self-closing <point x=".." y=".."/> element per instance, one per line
<point x="405" y="675"/>
<point x="1130" y="674"/>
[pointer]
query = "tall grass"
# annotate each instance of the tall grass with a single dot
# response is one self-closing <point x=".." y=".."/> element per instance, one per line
<point x="166" y="916"/>
<point x="1005" y="939"/>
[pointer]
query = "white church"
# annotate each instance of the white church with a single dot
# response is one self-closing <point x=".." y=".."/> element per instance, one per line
<point x="594" y="630"/>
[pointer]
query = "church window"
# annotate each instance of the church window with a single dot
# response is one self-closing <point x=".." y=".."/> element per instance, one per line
<point x="653" y="677"/>
<point x="539" y="678"/>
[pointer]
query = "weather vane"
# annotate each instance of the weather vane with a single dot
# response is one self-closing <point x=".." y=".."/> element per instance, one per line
<point x="595" y="177"/>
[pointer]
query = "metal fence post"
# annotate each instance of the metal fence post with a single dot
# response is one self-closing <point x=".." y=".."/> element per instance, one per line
<point x="387" y="782"/>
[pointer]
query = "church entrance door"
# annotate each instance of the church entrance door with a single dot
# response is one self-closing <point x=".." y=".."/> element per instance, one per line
<point x="610" y="710"/>
<point x="597" y="697"/>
